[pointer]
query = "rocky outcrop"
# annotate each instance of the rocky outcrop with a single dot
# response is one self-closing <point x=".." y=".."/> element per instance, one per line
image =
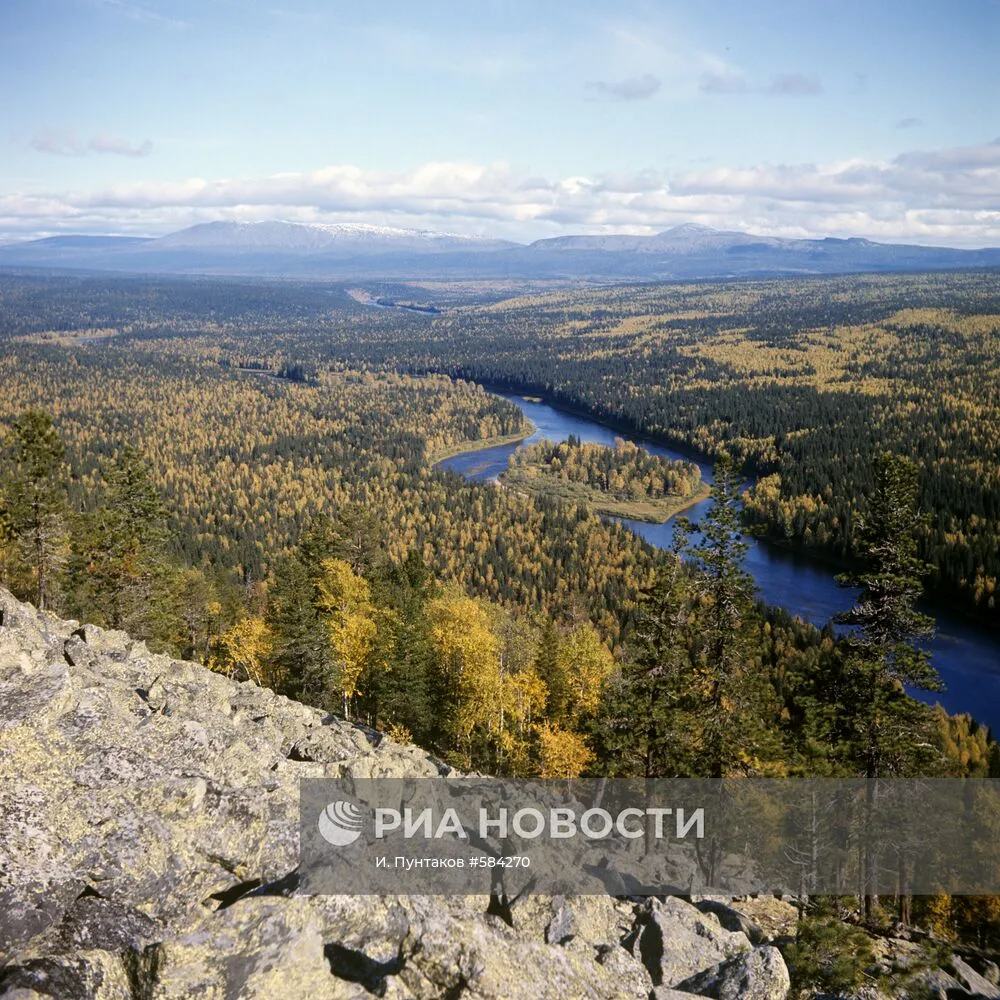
<point x="148" y="843"/>
<point x="675" y="943"/>
<point x="974" y="983"/>
<point x="759" y="974"/>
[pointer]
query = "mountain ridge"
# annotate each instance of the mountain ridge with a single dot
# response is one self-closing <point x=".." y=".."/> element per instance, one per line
<point x="358" y="251"/>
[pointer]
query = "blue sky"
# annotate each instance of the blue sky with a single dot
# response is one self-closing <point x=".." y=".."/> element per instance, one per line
<point x="516" y="119"/>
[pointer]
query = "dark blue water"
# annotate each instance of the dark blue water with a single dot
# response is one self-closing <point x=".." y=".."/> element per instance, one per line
<point x="968" y="658"/>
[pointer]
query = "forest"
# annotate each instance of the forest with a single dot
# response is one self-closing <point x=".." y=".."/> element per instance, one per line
<point x="626" y="481"/>
<point x="255" y="490"/>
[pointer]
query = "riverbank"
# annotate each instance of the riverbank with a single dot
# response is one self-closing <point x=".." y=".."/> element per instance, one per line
<point x="652" y="511"/>
<point x="463" y="447"/>
<point x="619" y="426"/>
<point x="367" y="299"/>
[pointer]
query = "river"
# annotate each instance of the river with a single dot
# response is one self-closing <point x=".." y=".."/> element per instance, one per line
<point x="967" y="657"/>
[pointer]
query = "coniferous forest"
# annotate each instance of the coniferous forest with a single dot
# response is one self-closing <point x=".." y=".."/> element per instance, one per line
<point x="243" y="474"/>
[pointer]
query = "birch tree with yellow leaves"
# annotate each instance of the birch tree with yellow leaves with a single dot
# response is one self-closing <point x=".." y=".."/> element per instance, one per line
<point x="344" y="601"/>
<point x="244" y="651"/>
<point x="469" y="655"/>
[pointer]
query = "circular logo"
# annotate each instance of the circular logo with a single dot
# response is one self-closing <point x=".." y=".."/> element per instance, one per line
<point x="340" y="823"/>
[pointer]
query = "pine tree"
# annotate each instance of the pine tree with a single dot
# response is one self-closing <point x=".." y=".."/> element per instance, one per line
<point x="353" y="533"/>
<point x="547" y="667"/>
<point x="890" y="729"/>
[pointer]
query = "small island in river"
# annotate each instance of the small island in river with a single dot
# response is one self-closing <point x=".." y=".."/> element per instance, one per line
<point x="625" y="481"/>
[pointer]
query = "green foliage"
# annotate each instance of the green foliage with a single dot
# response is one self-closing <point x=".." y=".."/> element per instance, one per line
<point x="828" y="955"/>
<point x="283" y="427"/>
<point x="886" y="620"/>
<point x="882" y="650"/>
<point x="644" y="728"/>
<point x="403" y="696"/>
<point x="302" y="660"/>
<point x="695" y="698"/>
<point x="118" y="552"/>
<point x="246" y="463"/>
<point x="802" y="380"/>
<point x="36" y="503"/>
<point x="352" y="533"/>
<point x="731" y="696"/>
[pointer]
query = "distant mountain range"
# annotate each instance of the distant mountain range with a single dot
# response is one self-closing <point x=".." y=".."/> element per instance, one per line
<point x="356" y="251"/>
<point x="347" y="237"/>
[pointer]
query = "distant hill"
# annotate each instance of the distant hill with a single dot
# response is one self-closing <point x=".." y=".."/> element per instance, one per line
<point x="682" y="240"/>
<point x="88" y="242"/>
<point x="692" y="250"/>
<point x="70" y="244"/>
<point x="356" y="251"/>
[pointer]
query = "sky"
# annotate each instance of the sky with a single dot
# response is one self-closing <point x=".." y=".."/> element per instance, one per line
<point x="519" y="119"/>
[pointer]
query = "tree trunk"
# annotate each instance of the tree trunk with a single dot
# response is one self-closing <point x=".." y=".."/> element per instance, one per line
<point x="40" y="554"/>
<point x="870" y="863"/>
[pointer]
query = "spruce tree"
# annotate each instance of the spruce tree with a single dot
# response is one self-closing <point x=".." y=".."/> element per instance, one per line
<point x="400" y="697"/>
<point x="301" y="657"/>
<point x="37" y="500"/>
<point x="883" y="646"/>
<point x="118" y="558"/>
<point x="645" y="728"/>
<point x="729" y="690"/>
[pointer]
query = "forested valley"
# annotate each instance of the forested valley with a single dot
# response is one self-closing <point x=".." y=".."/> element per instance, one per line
<point x="801" y="380"/>
<point x="243" y="475"/>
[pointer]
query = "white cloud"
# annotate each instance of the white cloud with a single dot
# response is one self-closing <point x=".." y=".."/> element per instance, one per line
<point x="67" y="144"/>
<point x="723" y="83"/>
<point x="794" y="85"/>
<point x="104" y="143"/>
<point x="945" y="196"/>
<point x="633" y="88"/>
<point x="730" y="81"/>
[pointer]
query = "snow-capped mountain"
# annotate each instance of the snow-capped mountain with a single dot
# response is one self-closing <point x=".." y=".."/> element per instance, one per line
<point x="279" y="236"/>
